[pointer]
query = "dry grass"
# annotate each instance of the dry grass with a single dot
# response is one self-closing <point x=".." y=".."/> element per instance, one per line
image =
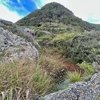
<point x="49" y="63"/>
<point x="19" y="79"/>
<point x="25" y="79"/>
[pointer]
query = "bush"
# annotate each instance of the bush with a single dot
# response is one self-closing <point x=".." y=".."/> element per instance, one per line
<point x="88" y="70"/>
<point x="62" y="37"/>
<point x="81" y="48"/>
<point x="87" y="67"/>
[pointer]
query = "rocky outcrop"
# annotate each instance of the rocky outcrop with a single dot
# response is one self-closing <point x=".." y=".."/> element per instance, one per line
<point x="29" y="32"/>
<point x="26" y="33"/>
<point x="15" y="47"/>
<point x="79" y="91"/>
<point x="96" y="66"/>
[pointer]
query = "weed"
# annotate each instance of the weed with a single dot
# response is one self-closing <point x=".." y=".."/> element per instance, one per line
<point x="74" y="77"/>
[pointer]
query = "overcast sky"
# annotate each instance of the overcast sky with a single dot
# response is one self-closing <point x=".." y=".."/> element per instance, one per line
<point x="13" y="10"/>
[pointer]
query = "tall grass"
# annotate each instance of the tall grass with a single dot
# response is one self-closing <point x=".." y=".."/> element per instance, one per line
<point x="19" y="79"/>
<point x="74" y="77"/>
<point x="50" y="63"/>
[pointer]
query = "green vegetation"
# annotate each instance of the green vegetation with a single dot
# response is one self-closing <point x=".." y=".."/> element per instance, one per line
<point x="55" y="13"/>
<point x="23" y="76"/>
<point x="49" y="63"/>
<point x="88" y="70"/>
<point x="17" y="78"/>
<point x="43" y="40"/>
<point x="74" y="77"/>
<point x="2" y="53"/>
<point x="98" y="98"/>
<point x="63" y="38"/>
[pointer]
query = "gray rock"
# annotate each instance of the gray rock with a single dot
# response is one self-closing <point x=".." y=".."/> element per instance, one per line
<point x="79" y="91"/>
<point x="96" y="66"/>
<point x="29" y="32"/>
<point x="16" y="47"/>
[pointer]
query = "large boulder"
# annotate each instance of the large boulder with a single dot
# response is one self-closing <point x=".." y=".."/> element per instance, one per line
<point x="79" y="91"/>
<point x="29" y="32"/>
<point x="15" y="47"/>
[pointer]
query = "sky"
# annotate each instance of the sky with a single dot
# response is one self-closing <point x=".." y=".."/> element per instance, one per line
<point x="13" y="10"/>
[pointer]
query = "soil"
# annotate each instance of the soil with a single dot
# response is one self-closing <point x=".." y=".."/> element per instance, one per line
<point x="70" y="66"/>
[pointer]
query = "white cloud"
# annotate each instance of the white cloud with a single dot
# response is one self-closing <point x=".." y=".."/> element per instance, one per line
<point x="83" y="8"/>
<point x="63" y="2"/>
<point x="6" y="14"/>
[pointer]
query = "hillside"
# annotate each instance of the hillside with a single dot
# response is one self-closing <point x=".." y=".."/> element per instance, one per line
<point x="49" y="50"/>
<point x="54" y="13"/>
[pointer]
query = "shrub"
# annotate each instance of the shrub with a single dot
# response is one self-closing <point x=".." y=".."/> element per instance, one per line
<point x="62" y="37"/>
<point x="87" y="67"/>
<point x="88" y="70"/>
<point x="80" y="48"/>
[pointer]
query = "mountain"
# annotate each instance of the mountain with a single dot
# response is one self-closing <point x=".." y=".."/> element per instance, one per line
<point x="54" y="13"/>
<point x="47" y="51"/>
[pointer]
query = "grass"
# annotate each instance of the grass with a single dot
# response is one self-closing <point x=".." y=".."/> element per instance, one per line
<point x="21" y="78"/>
<point x="74" y="77"/>
<point x="98" y="98"/>
<point x="49" y="63"/>
<point x="25" y="78"/>
<point x="50" y="59"/>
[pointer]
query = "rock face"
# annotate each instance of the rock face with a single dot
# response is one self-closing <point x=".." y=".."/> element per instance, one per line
<point x="29" y="32"/>
<point x="96" y="66"/>
<point x="79" y="91"/>
<point x="15" y="47"/>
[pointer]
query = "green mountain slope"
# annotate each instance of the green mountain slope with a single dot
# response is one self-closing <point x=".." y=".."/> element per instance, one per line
<point x="54" y="13"/>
